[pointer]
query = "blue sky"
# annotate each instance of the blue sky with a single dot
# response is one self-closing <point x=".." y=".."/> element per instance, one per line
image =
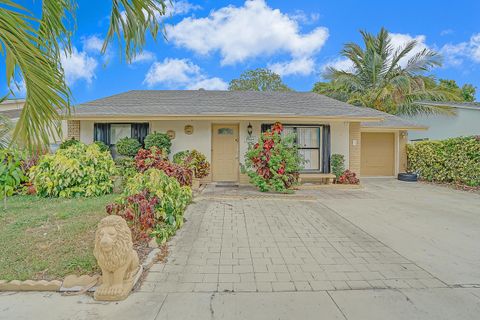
<point x="211" y="42"/>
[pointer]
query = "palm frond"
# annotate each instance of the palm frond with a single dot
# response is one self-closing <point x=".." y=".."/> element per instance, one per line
<point x="47" y="93"/>
<point x="5" y="131"/>
<point x="423" y="61"/>
<point x="130" y="20"/>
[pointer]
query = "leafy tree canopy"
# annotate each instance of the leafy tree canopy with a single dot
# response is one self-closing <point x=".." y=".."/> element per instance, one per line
<point x="258" y="80"/>
<point x="386" y="78"/>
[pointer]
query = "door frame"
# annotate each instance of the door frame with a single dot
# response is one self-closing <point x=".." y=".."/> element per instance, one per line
<point x="236" y="124"/>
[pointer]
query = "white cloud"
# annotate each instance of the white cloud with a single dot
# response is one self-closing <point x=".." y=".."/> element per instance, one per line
<point x="181" y="73"/>
<point x="181" y="7"/>
<point x="92" y="44"/>
<point x="144" y="57"/>
<point x="208" y="84"/>
<point x="456" y="54"/>
<point x="78" y="66"/>
<point x="250" y="31"/>
<point x="342" y="64"/>
<point x="301" y="17"/>
<point x="303" y="66"/>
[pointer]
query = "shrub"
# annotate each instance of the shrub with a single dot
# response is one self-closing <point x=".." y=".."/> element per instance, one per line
<point x="126" y="168"/>
<point x="180" y="156"/>
<point x="11" y="173"/>
<point x="103" y="147"/>
<point x="67" y="143"/>
<point x="273" y="162"/>
<point x="128" y="147"/>
<point x="348" y="177"/>
<point x="79" y="170"/>
<point x="455" y="160"/>
<point x="195" y="161"/>
<point x="154" y="158"/>
<point x="159" y="140"/>
<point x="337" y="162"/>
<point x="153" y="204"/>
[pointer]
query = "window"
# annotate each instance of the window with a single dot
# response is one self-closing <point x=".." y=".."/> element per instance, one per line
<point x="225" y="131"/>
<point x="110" y="133"/>
<point x="309" y="145"/>
<point x="119" y="131"/>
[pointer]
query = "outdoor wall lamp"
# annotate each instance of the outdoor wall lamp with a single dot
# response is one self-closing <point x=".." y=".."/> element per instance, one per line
<point x="249" y="129"/>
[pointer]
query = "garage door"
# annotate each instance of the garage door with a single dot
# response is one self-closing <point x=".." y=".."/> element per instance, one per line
<point x="378" y="154"/>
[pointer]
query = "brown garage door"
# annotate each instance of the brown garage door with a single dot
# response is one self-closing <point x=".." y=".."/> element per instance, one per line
<point x="378" y="154"/>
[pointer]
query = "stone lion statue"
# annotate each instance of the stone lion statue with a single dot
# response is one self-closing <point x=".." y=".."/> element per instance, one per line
<point x="116" y="257"/>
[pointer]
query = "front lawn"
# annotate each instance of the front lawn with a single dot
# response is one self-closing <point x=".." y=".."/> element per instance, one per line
<point x="49" y="238"/>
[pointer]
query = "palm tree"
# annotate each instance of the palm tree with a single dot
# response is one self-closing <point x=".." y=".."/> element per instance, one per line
<point x="32" y="48"/>
<point x="387" y="79"/>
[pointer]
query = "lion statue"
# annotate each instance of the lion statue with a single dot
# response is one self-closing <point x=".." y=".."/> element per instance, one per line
<point x="116" y="257"/>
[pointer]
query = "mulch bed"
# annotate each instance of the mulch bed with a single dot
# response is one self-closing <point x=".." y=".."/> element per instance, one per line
<point x="455" y="186"/>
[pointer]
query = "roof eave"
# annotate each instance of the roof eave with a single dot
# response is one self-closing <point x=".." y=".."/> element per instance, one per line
<point x="272" y="117"/>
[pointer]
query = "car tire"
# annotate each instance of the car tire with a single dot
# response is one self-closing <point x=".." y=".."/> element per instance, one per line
<point x="409" y="177"/>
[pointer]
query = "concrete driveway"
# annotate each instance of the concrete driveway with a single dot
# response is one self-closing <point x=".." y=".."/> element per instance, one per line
<point x="391" y="250"/>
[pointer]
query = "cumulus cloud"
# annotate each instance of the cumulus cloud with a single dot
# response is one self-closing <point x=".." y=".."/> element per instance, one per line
<point x="181" y="73"/>
<point x="181" y="7"/>
<point x="144" y="57"/>
<point x="246" y="32"/>
<point x="92" y="44"/>
<point x="303" y="66"/>
<point x="456" y="54"/>
<point x="301" y="17"/>
<point x="78" y="66"/>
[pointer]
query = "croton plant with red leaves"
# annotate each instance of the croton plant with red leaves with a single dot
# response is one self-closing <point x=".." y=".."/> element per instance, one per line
<point x="154" y="158"/>
<point x="273" y="162"/>
<point x="348" y="177"/>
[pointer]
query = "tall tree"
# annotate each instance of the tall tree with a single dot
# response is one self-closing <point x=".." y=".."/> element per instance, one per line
<point x="468" y="92"/>
<point x="387" y="79"/>
<point x="258" y="80"/>
<point x="32" y="48"/>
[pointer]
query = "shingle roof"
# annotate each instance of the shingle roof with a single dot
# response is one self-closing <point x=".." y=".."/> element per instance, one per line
<point x="391" y="121"/>
<point x="215" y="103"/>
<point x="203" y="102"/>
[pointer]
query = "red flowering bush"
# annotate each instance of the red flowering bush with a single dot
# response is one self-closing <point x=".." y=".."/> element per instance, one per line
<point x="273" y="162"/>
<point x="348" y="177"/>
<point x="154" y="158"/>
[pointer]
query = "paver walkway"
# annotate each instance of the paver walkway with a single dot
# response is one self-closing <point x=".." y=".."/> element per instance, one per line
<point x="274" y="244"/>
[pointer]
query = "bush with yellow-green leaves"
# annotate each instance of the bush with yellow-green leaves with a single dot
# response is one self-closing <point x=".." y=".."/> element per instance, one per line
<point x="80" y="170"/>
<point x="455" y="160"/>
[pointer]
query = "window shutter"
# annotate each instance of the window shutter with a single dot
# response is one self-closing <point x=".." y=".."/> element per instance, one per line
<point x="326" y="149"/>
<point x="140" y="131"/>
<point x="265" y="127"/>
<point x="101" y="132"/>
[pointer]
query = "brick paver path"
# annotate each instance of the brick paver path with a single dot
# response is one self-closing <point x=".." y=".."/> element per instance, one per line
<point x="274" y="244"/>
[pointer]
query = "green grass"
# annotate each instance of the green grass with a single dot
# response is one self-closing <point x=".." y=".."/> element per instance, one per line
<point x="49" y="238"/>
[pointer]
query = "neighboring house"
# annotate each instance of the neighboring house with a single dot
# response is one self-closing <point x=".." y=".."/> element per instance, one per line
<point x="12" y="108"/>
<point x="466" y="122"/>
<point x="217" y="123"/>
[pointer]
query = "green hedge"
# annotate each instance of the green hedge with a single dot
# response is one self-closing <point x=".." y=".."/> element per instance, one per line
<point x="455" y="160"/>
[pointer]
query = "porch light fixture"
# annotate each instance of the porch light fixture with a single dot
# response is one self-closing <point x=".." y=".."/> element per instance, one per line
<point x="249" y="129"/>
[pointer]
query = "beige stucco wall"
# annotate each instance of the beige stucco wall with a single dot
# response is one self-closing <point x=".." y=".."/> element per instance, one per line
<point x="202" y="136"/>
<point x="339" y="139"/>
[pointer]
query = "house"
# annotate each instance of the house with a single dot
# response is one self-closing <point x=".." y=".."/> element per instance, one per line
<point x="11" y="108"/>
<point x="465" y="122"/>
<point x="221" y="124"/>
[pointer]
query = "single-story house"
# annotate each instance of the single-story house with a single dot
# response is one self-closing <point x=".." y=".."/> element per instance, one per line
<point x="221" y="124"/>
